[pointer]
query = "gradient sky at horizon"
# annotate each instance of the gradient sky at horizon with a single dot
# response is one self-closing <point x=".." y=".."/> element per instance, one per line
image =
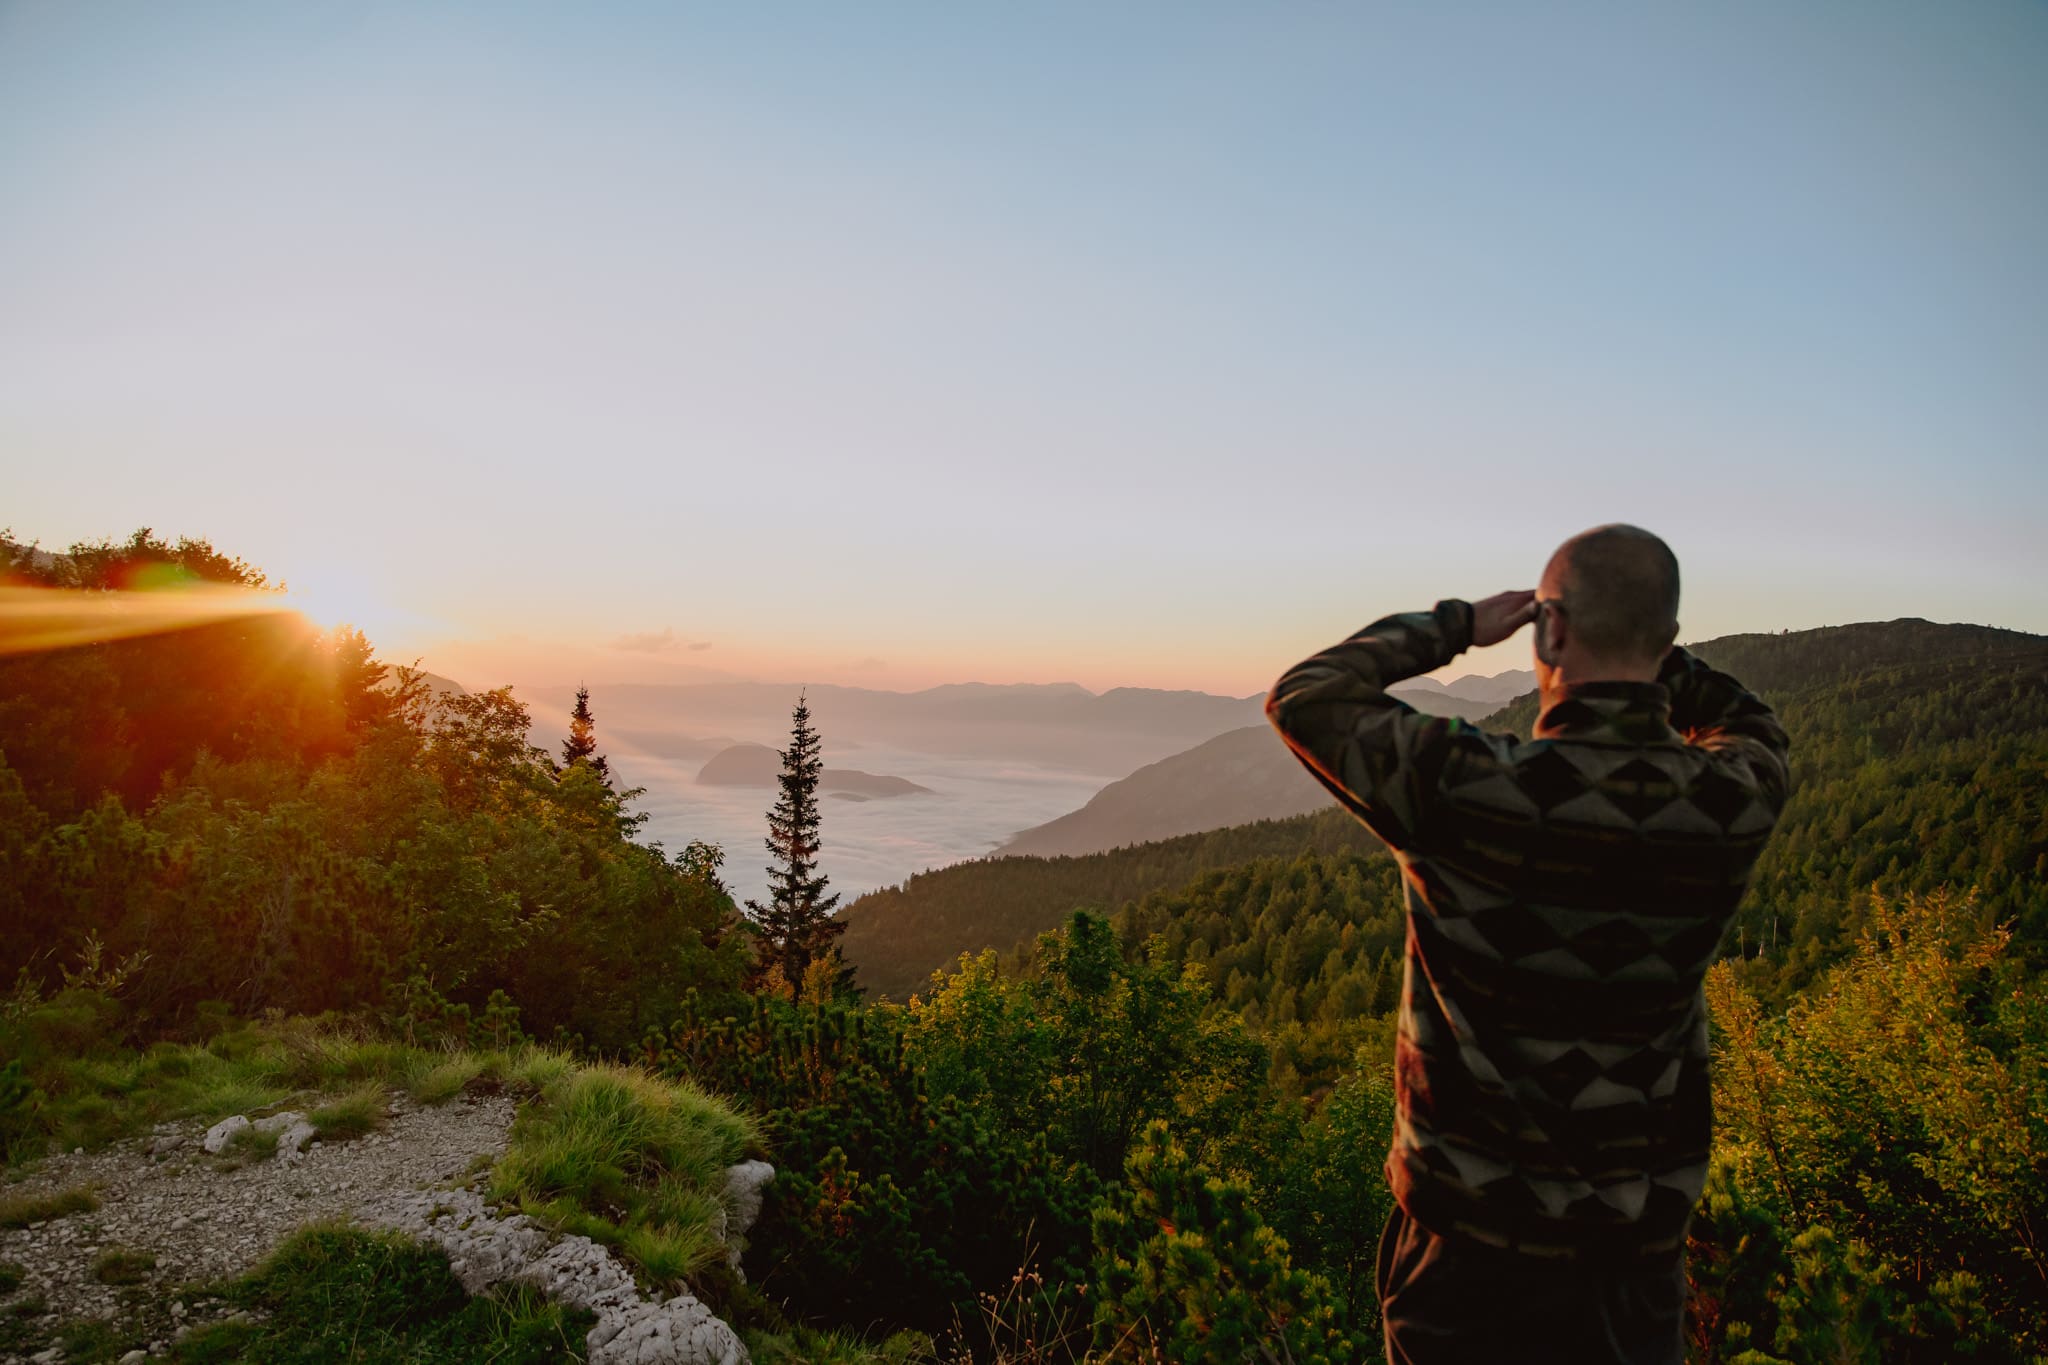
<point x="1143" y="344"/>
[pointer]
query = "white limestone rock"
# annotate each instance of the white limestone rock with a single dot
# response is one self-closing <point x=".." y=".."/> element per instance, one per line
<point x="218" y="1135"/>
<point x="278" y="1123"/>
<point x="744" y="1189"/>
<point x="484" y="1249"/>
<point x="292" y="1141"/>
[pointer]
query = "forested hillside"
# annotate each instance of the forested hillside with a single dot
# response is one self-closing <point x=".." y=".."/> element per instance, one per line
<point x="1919" y="760"/>
<point x="897" y="937"/>
<point x="271" y="819"/>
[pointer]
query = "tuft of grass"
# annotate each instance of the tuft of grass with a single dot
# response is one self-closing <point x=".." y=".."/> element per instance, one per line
<point x="629" y="1160"/>
<point x="806" y="1346"/>
<point x="20" y="1211"/>
<point x="122" y="1265"/>
<point x="11" y="1275"/>
<point x="100" y="1093"/>
<point x="670" y="1250"/>
<point x="351" y="1116"/>
<point x="432" y="1082"/>
<point x="245" y="1148"/>
<point x="536" y="1068"/>
<point x="92" y="1342"/>
<point x="333" y="1292"/>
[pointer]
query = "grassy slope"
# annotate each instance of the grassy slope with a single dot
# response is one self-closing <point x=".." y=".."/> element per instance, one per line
<point x="627" y="1159"/>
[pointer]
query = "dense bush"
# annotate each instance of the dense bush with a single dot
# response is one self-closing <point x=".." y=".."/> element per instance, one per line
<point x="1883" y="1148"/>
<point x="1187" y="1271"/>
<point x="1089" y="1047"/>
<point x="890" y="1205"/>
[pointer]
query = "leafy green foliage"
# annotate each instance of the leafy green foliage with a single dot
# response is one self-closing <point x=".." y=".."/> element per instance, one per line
<point x="886" y="1199"/>
<point x="1088" y="1048"/>
<point x="1329" y="1195"/>
<point x="1187" y="1271"/>
<point x="1884" y="1150"/>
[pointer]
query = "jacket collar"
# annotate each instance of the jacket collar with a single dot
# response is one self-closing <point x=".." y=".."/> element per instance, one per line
<point x="1618" y="712"/>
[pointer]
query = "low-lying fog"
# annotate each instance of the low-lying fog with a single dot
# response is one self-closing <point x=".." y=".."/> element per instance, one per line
<point x="974" y="805"/>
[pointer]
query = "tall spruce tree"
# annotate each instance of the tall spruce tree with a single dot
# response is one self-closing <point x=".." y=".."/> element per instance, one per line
<point x="581" y="746"/>
<point x="796" y="926"/>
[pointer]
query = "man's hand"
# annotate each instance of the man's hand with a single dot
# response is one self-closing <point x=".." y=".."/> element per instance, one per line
<point x="1501" y="615"/>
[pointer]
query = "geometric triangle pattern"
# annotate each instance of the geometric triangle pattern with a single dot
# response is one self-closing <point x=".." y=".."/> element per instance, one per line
<point x="1566" y="895"/>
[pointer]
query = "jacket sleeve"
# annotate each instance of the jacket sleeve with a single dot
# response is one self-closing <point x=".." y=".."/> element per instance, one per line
<point x="1717" y="713"/>
<point x="1379" y="756"/>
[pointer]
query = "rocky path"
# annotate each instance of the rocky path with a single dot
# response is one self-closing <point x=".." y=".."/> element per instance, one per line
<point x="166" y="1197"/>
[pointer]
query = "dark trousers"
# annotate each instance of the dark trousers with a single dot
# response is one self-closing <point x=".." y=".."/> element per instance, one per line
<point x="1453" y="1303"/>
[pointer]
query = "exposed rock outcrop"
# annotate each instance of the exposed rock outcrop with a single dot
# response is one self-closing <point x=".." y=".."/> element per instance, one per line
<point x="485" y="1249"/>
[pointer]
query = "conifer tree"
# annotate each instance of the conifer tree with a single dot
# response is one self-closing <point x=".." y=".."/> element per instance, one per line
<point x="581" y="746"/>
<point x="796" y="926"/>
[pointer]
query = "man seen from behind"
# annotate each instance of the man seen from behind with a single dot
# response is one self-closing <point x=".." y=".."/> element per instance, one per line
<point x="1565" y="897"/>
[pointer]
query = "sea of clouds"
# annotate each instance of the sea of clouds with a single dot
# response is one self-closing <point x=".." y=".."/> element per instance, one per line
<point x="974" y="805"/>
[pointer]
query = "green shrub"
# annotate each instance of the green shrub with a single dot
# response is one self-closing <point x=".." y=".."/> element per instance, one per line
<point x="1186" y="1271"/>
<point x="1888" y="1130"/>
<point x="885" y="1200"/>
<point x="1329" y="1194"/>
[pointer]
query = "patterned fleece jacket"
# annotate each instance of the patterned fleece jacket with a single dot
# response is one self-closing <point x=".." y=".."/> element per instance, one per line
<point x="1565" y="897"/>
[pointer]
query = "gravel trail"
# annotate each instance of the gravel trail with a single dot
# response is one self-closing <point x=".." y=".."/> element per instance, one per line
<point x="164" y="1196"/>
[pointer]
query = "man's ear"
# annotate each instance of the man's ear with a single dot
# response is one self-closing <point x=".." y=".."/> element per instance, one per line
<point x="1549" y="638"/>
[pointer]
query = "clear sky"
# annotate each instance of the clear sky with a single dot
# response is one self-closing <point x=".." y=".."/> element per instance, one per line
<point x="1129" y="344"/>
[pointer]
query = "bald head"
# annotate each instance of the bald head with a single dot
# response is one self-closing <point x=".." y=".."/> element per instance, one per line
<point x="1618" y="586"/>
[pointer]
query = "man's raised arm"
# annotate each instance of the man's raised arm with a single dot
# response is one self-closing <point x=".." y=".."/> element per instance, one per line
<point x="1713" y="711"/>
<point x="1373" y="751"/>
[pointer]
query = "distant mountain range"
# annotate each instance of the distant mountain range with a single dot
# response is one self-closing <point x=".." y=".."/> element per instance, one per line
<point x="1245" y="774"/>
<point x="1496" y="690"/>
<point x="1058" y="724"/>
<point x="757" y="765"/>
